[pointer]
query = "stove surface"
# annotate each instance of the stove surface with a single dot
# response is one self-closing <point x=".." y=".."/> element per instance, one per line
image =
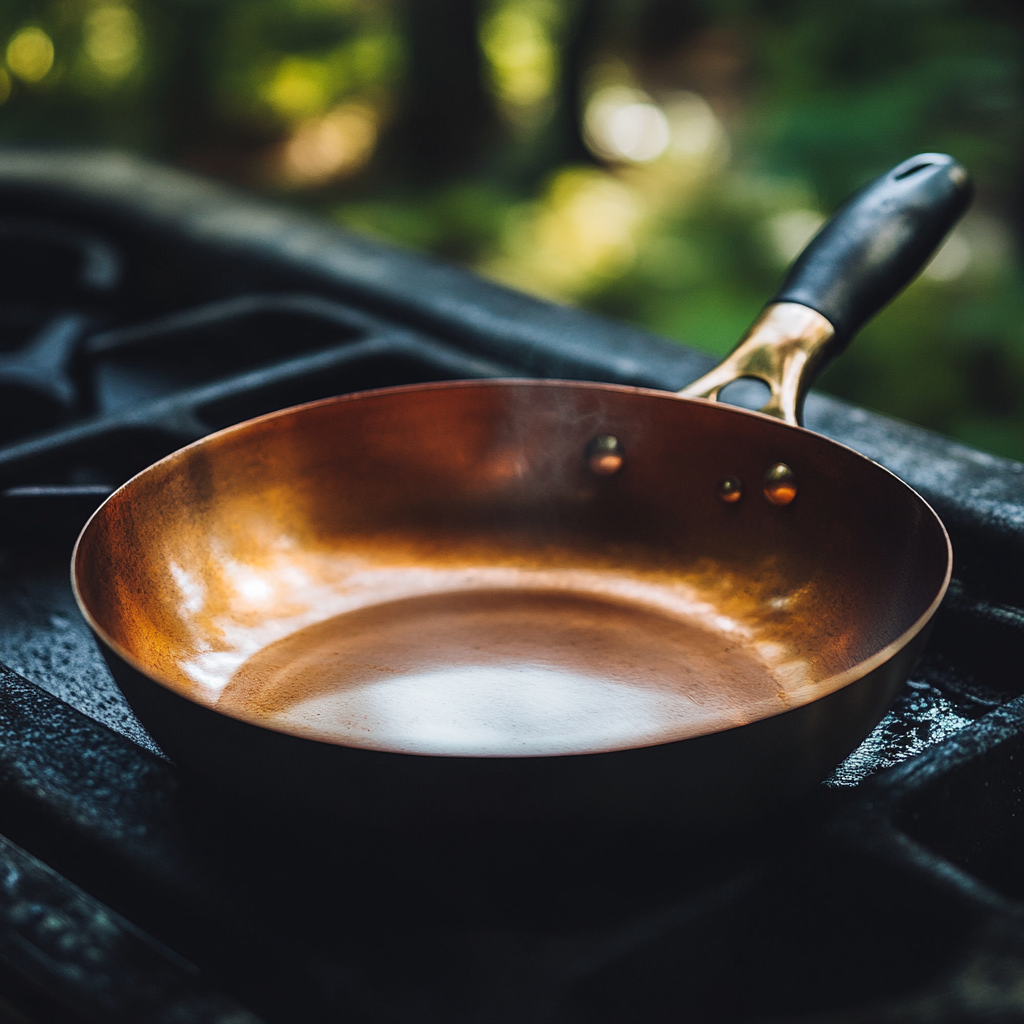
<point x="140" y="309"/>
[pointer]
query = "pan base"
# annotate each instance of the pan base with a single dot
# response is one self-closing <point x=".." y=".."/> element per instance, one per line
<point x="504" y="673"/>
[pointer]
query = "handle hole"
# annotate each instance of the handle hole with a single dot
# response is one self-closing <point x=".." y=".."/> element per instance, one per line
<point x="747" y="393"/>
<point x="912" y="170"/>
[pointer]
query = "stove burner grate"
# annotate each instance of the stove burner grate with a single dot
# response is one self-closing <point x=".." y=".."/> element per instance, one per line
<point x="141" y="309"/>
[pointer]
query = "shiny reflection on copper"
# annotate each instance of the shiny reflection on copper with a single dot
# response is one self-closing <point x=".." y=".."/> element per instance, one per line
<point x="780" y="485"/>
<point x="604" y="455"/>
<point x="357" y="572"/>
<point x="506" y="673"/>
<point x="730" y="490"/>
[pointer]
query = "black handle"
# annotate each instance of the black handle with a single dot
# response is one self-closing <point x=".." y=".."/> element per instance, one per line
<point x="877" y="242"/>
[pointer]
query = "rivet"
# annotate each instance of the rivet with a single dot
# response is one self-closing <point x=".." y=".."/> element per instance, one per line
<point x="730" y="490"/>
<point x="780" y="485"/>
<point x="604" y="455"/>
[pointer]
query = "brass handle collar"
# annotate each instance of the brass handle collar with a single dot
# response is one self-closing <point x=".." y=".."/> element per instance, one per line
<point x="785" y="348"/>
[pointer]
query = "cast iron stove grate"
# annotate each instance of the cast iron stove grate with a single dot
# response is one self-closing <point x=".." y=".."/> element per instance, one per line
<point x="140" y="309"/>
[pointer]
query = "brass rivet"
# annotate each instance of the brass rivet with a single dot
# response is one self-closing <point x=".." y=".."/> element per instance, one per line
<point x="730" y="490"/>
<point x="604" y="455"/>
<point x="780" y="485"/>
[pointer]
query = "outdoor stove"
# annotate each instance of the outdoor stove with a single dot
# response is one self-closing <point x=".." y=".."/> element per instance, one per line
<point x="141" y="309"/>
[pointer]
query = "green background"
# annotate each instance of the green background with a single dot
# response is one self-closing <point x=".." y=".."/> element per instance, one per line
<point x="457" y="128"/>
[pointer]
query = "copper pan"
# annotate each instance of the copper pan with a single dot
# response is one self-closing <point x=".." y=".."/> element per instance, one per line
<point x="538" y="600"/>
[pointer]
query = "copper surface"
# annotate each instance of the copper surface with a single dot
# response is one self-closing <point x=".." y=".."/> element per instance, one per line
<point x="437" y="570"/>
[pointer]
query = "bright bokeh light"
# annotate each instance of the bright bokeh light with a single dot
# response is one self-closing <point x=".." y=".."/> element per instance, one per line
<point x="331" y="147"/>
<point x="993" y="251"/>
<point x="590" y="225"/>
<point x="584" y="230"/>
<point x="111" y="40"/>
<point x="522" y="57"/>
<point x="952" y="259"/>
<point x="788" y="232"/>
<point x="695" y="130"/>
<point x="299" y="88"/>
<point x="30" y="54"/>
<point x="623" y="124"/>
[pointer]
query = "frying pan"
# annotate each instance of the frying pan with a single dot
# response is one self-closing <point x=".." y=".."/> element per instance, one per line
<point x="535" y="601"/>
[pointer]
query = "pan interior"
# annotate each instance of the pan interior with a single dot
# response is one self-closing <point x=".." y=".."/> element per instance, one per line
<point x="438" y="570"/>
<point x="503" y="673"/>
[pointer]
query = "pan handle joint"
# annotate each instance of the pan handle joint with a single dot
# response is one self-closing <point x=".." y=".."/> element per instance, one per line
<point x="784" y="348"/>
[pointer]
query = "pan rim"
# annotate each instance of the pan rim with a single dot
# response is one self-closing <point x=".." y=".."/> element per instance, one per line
<point x="825" y="688"/>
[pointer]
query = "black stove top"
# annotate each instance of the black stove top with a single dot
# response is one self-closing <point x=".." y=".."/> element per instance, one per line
<point x="140" y="309"/>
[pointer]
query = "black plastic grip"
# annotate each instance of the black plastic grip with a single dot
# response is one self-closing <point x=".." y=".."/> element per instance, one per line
<point x="877" y="242"/>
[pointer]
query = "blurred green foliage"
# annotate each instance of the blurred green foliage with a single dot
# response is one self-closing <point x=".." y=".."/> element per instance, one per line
<point x="658" y="161"/>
